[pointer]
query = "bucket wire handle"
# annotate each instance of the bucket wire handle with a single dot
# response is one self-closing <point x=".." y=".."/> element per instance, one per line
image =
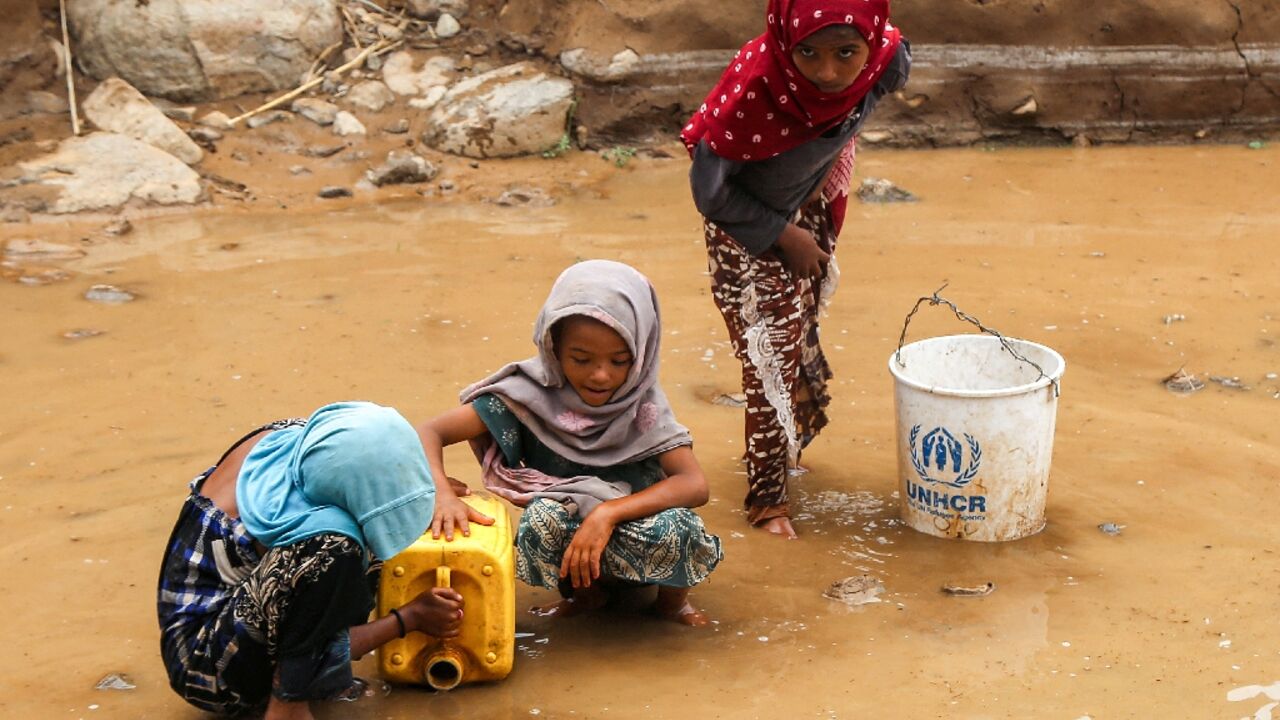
<point x="936" y="299"/>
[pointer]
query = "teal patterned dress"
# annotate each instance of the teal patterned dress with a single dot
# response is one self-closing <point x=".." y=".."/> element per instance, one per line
<point x="669" y="548"/>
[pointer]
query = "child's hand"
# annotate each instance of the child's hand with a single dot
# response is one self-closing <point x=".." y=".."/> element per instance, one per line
<point x="453" y="513"/>
<point x="800" y="252"/>
<point x="436" y="612"/>
<point x="581" y="563"/>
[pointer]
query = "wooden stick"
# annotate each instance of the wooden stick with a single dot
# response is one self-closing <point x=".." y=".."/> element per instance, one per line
<point x="313" y="82"/>
<point x="71" y="72"/>
<point x="376" y="8"/>
<point x="352" y="29"/>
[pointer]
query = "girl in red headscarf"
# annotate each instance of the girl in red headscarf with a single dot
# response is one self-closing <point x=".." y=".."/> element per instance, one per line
<point x="772" y="150"/>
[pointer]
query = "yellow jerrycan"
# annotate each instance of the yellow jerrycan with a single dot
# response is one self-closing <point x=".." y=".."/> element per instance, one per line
<point x="482" y="569"/>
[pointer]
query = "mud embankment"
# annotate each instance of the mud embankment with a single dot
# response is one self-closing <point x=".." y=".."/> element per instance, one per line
<point x="1020" y="70"/>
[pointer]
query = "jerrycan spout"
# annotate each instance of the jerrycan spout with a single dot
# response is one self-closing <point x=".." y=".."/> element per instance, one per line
<point x="442" y="669"/>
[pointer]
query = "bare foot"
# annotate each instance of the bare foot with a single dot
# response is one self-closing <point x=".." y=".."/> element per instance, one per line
<point x="779" y="526"/>
<point x="673" y="604"/>
<point x="583" y="600"/>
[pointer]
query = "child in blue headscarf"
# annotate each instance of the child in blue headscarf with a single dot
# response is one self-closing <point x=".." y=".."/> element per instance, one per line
<point x="265" y="591"/>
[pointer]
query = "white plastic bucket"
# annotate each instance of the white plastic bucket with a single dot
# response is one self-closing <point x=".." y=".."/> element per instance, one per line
<point x="975" y="435"/>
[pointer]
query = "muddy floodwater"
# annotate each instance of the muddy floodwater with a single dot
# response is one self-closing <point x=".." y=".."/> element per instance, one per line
<point x="1131" y="262"/>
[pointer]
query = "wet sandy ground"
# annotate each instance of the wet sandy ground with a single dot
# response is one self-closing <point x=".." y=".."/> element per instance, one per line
<point x="246" y="318"/>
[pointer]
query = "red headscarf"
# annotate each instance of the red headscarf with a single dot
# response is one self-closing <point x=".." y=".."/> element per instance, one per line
<point x="763" y="106"/>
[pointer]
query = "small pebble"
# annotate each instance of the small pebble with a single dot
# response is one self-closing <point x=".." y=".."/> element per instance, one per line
<point x="333" y="191"/>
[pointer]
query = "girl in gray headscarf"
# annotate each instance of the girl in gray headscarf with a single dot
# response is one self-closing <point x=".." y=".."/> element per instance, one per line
<point x="582" y="437"/>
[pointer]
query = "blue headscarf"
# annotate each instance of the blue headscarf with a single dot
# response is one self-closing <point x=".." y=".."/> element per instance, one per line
<point x="356" y="469"/>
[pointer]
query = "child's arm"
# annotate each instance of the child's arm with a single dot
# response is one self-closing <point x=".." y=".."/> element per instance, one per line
<point x="455" y="426"/>
<point x="436" y="612"/>
<point x="683" y="486"/>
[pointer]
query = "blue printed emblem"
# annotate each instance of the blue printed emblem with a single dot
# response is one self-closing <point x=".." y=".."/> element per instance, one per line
<point x="942" y="450"/>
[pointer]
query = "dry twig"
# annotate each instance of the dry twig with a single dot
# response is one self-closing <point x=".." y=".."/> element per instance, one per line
<point x="71" y="80"/>
<point x="276" y="102"/>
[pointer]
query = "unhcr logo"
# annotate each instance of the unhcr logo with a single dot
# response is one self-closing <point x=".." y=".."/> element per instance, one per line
<point x="938" y="457"/>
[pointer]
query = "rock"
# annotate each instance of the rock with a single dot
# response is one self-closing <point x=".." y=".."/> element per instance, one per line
<point x="37" y="251"/>
<point x="533" y="197"/>
<point x="398" y="127"/>
<point x="1110" y="528"/>
<point x="114" y="681"/>
<point x="319" y="112"/>
<point x="217" y="120"/>
<point x="1183" y="382"/>
<point x="116" y="228"/>
<point x="266" y="118"/>
<point x="401" y="167"/>
<point x="40" y="278"/>
<point x="580" y="61"/>
<point x="875" y="136"/>
<point x="1028" y="107"/>
<point x="181" y="113"/>
<point x="333" y="191"/>
<point x="189" y="50"/>
<point x="46" y="103"/>
<point x="324" y="151"/>
<point x="105" y="170"/>
<point x="1081" y="141"/>
<point x="371" y="95"/>
<point x="447" y="26"/>
<point x="299" y="170"/>
<point x="430" y="100"/>
<point x="84" y="334"/>
<point x="856" y="590"/>
<point x="879" y="190"/>
<point x="115" y="106"/>
<point x="399" y="74"/>
<point x="956" y="590"/>
<point x="14" y="214"/>
<point x="431" y="9"/>
<point x="204" y="134"/>
<point x="344" y="124"/>
<point x="514" y="110"/>
<point x="108" y="295"/>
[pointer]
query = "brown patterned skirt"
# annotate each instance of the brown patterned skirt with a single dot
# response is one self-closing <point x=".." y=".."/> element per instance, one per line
<point x="772" y="319"/>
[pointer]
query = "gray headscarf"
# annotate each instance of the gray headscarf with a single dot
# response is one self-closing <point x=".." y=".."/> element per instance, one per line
<point x="637" y="422"/>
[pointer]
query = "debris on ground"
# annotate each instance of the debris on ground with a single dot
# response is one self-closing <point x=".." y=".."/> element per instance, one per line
<point x="1231" y="383"/>
<point x="108" y="295"/>
<point x="1110" y="528"/>
<point x="1183" y="382"/>
<point x="969" y="590"/>
<point x="880" y="190"/>
<point x="856" y="590"/>
<point x="1175" y="317"/>
<point x="402" y="166"/>
<point x="115" y="681"/>
<point x="526" y="196"/>
<point x="119" y="227"/>
<point x="736" y="400"/>
<point x="82" y="333"/>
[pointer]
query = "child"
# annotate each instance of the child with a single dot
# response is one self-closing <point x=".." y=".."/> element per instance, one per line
<point x="772" y="151"/>
<point x="263" y="593"/>
<point x="582" y="437"/>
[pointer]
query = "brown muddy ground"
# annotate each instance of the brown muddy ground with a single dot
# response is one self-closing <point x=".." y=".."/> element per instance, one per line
<point x="245" y="317"/>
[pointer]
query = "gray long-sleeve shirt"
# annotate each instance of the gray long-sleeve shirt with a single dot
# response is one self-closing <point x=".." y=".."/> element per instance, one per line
<point x="754" y="201"/>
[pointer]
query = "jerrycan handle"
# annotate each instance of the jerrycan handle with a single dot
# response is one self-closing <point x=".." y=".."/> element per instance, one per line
<point x="442" y="576"/>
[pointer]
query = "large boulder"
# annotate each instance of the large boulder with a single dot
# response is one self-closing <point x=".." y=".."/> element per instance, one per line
<point x="105" y="170"/>
<point x="514" y="110"/>
<point x="203" y="49"/>
<point x="115" y="106"/>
